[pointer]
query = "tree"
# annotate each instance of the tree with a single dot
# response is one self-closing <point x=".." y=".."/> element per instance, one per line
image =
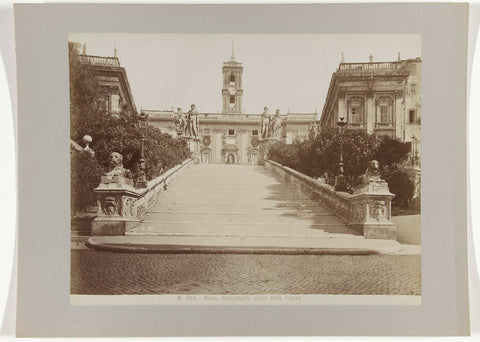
<point x="320" y="156"/>
<point x="111" y="133"/>
<point x="85" y="175"/>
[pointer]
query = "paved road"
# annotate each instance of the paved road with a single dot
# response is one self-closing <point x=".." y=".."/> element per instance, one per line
<point x="95" y="272"/>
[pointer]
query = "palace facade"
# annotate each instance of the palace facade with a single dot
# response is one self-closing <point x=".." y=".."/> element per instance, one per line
<point x="111" y="79"/>
<point x="232" y="136"/>
<point x="377" y="97"/>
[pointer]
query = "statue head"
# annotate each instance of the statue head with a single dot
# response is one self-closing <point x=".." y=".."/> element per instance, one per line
<point x="193" y="106"/>
<point x="110" y="206"/>
<point x="115" y="159"/>
<point x="372" y="168"/>
<point x="277" y="113"/>
<point x="265" y="109"/>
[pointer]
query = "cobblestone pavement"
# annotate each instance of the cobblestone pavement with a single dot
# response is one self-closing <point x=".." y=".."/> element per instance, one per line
<point x="96" y="272"/>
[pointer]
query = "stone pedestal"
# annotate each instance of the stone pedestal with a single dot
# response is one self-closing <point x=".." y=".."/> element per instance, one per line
<point x="194" y="146"/>
<point x="373" y="208"/>
<point x="264" y="146"/>
<point x="117" y="206"/>
<point x="367" y="210"/>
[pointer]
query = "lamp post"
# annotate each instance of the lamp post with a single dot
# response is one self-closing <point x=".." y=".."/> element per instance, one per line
<point x="340" y="182"/>
<point x="141" y="178"/>
<point x="414" y="142"/>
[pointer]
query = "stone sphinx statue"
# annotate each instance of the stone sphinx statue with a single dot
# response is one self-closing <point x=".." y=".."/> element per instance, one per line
<point x="115" y="166"/>
<point x="370" y="181"/>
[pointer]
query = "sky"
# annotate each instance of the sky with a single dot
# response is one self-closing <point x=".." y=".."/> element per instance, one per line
<point x="290" y="72"/>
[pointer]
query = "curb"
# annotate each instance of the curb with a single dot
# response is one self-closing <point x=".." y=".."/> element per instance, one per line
<point x="184" y="249"/>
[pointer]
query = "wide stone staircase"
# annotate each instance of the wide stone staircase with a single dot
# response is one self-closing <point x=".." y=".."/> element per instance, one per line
<point x="220" y="208"/>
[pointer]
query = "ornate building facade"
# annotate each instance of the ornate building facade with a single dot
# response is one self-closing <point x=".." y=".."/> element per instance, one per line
<point x="232" y="136"/>
<point x="377" y="97"/>
<point x="111" y="79"/>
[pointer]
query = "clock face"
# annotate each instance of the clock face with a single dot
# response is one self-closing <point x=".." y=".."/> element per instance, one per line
<point x="232" y="90"/>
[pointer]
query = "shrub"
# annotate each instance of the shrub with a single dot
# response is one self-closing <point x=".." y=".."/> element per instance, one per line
<point x="320" y="156"/>
<point x="85" y="175"/>
<point x="402" y="186"/>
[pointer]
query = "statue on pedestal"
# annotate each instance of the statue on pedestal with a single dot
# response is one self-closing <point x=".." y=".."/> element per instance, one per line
<point x="370" y="181"/>
<point x="115" y="166"/>
<point x="276" y="124"/>
<point x="265" y="124"/>
<point x="192" y="122"/>
<point x="180" y="122"/>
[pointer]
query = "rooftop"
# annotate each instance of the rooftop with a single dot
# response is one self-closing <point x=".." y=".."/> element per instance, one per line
<point x="400" y="65"/>
<point x="100" y="61"/>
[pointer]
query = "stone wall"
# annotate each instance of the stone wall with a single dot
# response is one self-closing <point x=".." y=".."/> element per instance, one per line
<point x="368" y="211"/>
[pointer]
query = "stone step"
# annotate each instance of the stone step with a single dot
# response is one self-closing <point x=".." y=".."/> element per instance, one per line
<point x="279" y="202"/>
<point x="291" y="217"/>
<point x="226" y="228"/>
<point x="195" y="243"/>
<point x="256" y="208"/>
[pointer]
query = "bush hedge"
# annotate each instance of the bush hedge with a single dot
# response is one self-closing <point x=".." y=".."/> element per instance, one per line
<point x="319" y="157"/>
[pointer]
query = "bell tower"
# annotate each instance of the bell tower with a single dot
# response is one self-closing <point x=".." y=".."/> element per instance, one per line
<point x="232" y="91"/>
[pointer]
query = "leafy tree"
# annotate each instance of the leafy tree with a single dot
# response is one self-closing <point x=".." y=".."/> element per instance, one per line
<point x="111" y="133"/>
<point x="320" y="156"/>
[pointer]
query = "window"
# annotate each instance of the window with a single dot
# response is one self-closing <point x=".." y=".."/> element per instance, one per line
<point x="355" y="111"/>
<point x="384" y="110"/>
<point x="355" y="114"/>
<point x="255" y="132"/>
<point x="412" y="116"/>
<point x="412" y="88"/>
<point x="232" y="102"/>
<point x="384" y="118"/>
<point x="231" y="132"/>
<point x="107" y="107"/>
<point x="232" y="79"/>
<point x="115" y="103"/>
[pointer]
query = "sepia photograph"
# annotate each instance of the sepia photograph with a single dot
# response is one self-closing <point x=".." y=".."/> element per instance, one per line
<point x="231" y="168"/>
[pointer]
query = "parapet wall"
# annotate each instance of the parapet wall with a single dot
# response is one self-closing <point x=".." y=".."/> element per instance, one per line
<point x="368" y="212"/>
<point x="121" y="205"/>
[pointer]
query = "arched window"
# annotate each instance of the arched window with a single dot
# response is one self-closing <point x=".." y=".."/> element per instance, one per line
<point x="232" y="79"/>
<point x="232" y="102"/>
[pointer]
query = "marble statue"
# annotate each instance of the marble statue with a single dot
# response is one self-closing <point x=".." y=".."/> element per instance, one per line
<point x="369" y="178"/>
<point x="265" y="124"/>
<point x="276" y="126"/>
<point x="192" y="122"/>
<point x="180" y="122"/>
<point x="115" y="166"/>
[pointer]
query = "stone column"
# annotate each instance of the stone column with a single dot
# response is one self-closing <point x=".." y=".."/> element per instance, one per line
<point x="370" y="113"/>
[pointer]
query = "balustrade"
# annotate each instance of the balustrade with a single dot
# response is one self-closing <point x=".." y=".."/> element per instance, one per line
<point x="367" y="210"/>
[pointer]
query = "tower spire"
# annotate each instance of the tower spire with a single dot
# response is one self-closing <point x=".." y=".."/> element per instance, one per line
<point x="233" y="52"/>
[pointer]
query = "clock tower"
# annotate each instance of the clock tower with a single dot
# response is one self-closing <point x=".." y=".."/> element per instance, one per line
<point x="232" y="91"/>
